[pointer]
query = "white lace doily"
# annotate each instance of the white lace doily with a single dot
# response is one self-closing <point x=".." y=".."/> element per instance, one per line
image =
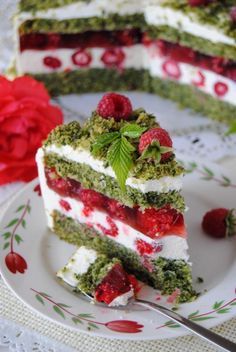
<point x="20" y="339"/>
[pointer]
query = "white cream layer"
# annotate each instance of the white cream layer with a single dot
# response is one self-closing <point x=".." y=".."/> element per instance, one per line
<point x="78" y="264"/>
<point x="31" y="61"/>
<point x="86" y="9"/>
<point x="155" y="14"/>
<point x="192" y="75"/>
<point x="82" y="156"/>
<point x="173" y="246"/>
<point x="122" y="300"/>
<point x="136" y="56"/>
<point x="164" y="16"/>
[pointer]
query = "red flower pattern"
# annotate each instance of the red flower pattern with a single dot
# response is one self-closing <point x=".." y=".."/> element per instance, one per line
<point x="128" y="326"/>
<point x="15" y="263"/>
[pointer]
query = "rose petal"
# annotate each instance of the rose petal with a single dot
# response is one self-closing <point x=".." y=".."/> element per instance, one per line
<point x="27" y="86"/>
<point x="5" y="87"/>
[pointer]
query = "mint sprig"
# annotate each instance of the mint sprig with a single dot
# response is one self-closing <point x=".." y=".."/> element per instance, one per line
<point x="119" y="154"/>
<point x="103" y="140"/>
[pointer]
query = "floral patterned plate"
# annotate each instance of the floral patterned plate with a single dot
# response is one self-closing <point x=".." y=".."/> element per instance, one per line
<point x="31" y="254"/>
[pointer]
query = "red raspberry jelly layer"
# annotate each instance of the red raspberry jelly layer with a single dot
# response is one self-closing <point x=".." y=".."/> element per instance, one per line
<point x="152" y="222"/>
<point x="183" y="54"/>
<point x="114" y="284"/>
<point x="89" y="39"/>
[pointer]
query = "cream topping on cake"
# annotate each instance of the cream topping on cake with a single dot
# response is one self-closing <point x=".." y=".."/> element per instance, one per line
<point x="85" y="9"/>
<point x="162" y="185"/>
<point x="165" y="16"/>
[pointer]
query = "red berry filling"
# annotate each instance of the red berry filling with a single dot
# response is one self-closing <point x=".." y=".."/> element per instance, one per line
<point x="52" y="62"/>
<point x="154" y="223"/>
<point x="82" y="58"/>
<point x="221" y="89"/>
<point x="112" y="230"/>
<point x="113" y="57"/>
<point x="113" y="285"/>
<point x="89" y="39"/>
<point x="143" y="247"/>
<point x="114" y="105"/>
<point x="171" y="69"/>
<point x="65" y="205"/>
<point x="178" y="53"/>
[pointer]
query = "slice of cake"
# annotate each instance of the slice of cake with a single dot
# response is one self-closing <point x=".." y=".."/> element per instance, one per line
<point x="114" y="185"/>
<point x="183" y="50"/>
<point x="96" y="275"/>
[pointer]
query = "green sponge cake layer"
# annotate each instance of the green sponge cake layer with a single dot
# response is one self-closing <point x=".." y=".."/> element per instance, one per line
<point x="101" y="183"/>
<point x="166" y="275"/>
<point x="78" y="25"/>
<point x="97" y="80"/>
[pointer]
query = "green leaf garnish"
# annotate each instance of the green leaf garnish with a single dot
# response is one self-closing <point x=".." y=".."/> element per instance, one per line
<point x="132" y="130"/>
<point x="119" y="158"/>
<point x="154" y="151"/>
<point x="103" y="140"/>
<point x="232" y="129"/>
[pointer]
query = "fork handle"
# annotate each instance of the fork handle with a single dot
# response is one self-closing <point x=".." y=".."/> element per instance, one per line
<point x="199" y="330"/>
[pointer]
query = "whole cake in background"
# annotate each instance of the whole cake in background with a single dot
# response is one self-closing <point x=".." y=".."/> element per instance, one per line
<point x="114" y="186"/>
<point x="184" y="50"/>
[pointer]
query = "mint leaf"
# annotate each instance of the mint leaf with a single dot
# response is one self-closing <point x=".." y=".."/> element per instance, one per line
<point x="103" y="140"/>
<point x="232" y="129"/>
<point x="119" y="158"/>
<point x="132" y="130"/>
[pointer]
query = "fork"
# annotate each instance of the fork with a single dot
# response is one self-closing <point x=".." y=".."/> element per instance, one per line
<point x="217" y="340"/>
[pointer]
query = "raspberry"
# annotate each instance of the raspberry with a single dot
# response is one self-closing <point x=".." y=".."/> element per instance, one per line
<point x="199" y="79"/>
<point x="194" y="3"/>
<point x="52" y="62"/>
<point x="171" y="68"/>
<point x="113" y="57"/>
<point x="221" y="89"/>
<point x="112" y="230"/>
<point x="117" y="210"/>
<point x="114" y="105"/>
<point x="157" y="222"/>
<point x="233" y="14"/>
<point x="143" y="247"/>
<point x="81" y="58"/>
<point x="155" y="140"/>
<point x="65" y="205"/>
<point x="91" y="198"/>
<point x="219" y="223"/>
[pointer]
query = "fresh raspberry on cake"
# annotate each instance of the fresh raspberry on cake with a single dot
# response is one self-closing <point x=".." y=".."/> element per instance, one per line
<point x="156" y="144"/>
<point x="219" y="223"/>
<point x="115" y="105"/>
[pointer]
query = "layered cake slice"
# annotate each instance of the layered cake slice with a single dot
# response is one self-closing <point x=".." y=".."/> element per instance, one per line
<point x="94" y="274"/>
<point x="114" y="185"/>
<point x="183" y="50"/>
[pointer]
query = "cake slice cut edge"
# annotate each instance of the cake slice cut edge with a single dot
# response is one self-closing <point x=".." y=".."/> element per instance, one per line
<point x="97" y="276"/>
<point x="148" y="237"/>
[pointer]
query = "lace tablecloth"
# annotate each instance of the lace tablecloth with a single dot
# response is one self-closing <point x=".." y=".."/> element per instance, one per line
<point x="21" y="329"/>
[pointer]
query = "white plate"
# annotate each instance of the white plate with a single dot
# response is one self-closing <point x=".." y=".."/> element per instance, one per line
<point x="44" y="253"/>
